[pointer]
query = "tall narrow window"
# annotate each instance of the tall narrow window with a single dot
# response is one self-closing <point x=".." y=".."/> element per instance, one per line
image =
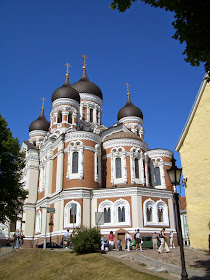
<point x="73" y="214"/>
<point x="118" y="168"/>
<point x="70" y="117"/>
<point x="107" y="215"/>
<point x="121" y="214"/>
<point x="59" y="117"/>
<point x="157" y="176"/>
<point x="160" y="215"/>
<point x="137" y="168"/>
<point x="75" y="162"/>
<point x="149" y="214"/>
<point x="91" y="115"/>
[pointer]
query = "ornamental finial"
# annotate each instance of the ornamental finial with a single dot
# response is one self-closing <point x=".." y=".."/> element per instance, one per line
<point x="127" y="84"/>
<point x="43" y="100"/>
<point x="67" y="70"/>
<point x="84" y="64"/>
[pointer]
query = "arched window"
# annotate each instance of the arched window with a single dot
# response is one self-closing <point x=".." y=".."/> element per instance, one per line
<point x="75" y="156"/>
<point x="118" y="168"/>
<point x="72" y="214"/>
<point x="91" y="115"/>
<point x="107" y="215"/>
<point x="107" y="207"/>
<point x="121" y="214"/>
<point x="162" y="212"/>
<point x="70" y="117"/>
<point x="157" y="176"/>
<point x="149" y="212"/>
<point x="136" y="168"/>
<point x="59" y="117"/>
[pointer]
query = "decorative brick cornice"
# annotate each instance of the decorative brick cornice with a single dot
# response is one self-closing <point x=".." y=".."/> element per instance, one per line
<point x="125" y="142"/>
<point x="160" y="153"/>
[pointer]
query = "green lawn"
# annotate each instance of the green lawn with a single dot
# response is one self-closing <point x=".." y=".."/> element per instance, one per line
<point x="62" y="265"/>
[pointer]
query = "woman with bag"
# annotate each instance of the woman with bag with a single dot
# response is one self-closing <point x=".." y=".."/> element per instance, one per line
<point x="163" y="238"/>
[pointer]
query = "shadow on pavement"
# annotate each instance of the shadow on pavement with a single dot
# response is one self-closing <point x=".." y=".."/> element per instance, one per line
<point x="203" y="264"/>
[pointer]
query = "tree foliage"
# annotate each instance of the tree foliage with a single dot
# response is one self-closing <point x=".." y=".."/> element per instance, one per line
<point x="191" y="25"/>
<point x="11" y="164"/>
<point x="86" y="240"/>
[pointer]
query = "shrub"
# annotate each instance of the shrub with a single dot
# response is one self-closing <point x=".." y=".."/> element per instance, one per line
<point x="86" y="240"/>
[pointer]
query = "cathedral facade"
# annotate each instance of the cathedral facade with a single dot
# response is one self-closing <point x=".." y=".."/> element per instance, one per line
<point x="79" y="167"/>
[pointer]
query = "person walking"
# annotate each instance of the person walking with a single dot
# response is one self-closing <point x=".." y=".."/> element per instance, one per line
<point x="172" y="240"/>
<point x="155" y="240"/>
<point x="128" y="239"/>
<point x="111" y="240"/>
<point x="138" y="241"/>
<point x="22" y="236"/>
<point x="163" y="244"/>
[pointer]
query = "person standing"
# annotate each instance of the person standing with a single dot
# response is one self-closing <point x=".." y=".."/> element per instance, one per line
<point x="138" y="241"/>
<point x="111" y="240"/>
<point x="163" y="244"/>
<point x="65" y="239"/>
<point x="22" y="236"/>
<point x="118" y="243"/>
<point x="172" y="240"/>
<point x="155" y="240"/>
<point x="16" y="238"/>
<point x="102" y="242"/>
<point x="128" y="239"/>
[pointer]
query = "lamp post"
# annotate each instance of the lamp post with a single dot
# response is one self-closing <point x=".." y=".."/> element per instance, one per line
<point x="174" y="174"/>
<point x="51" y="224"/>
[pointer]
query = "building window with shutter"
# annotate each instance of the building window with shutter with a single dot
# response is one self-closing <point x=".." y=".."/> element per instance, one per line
<point x="59" y="117"/>
<point x="107" y="215"/>
<point x="121" y="214"/>
<point x="136" y="168"/>
<point x="91" y="115"/>
<point x="75" y="162"/>
<point x="118" y="168"/>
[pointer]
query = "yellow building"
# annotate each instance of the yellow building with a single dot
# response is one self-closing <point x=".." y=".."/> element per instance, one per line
<point x="194" y="148"/>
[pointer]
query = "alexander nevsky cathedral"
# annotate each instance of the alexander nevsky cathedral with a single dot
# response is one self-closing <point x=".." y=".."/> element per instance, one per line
<point x="78" y="166"/>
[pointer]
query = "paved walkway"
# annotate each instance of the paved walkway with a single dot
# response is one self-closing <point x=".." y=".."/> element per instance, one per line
<point x="167" y="266"/>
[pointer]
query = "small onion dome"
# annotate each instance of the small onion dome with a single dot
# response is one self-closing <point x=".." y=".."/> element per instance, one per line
<point x="129" y="110"/>
<point x="40" y="124"/>
<point x="84" y="85"/>
<point x="66" y="91"/>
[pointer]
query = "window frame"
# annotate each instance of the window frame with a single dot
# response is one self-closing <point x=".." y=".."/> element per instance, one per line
<point x="67" y="220"/>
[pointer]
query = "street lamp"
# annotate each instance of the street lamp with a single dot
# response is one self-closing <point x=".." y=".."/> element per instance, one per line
<point x="51" y="224"/>
<point x="174" y="174"/>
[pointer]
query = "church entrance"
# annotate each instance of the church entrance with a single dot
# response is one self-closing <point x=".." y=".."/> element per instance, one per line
<point x="122" y="237"/>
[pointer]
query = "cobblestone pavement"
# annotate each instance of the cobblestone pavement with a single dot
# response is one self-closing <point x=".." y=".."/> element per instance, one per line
<point x="197" y="262"/>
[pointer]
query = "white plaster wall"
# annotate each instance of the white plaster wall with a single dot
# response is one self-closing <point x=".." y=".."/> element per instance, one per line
<point x="171" y="213"/>
<point x="86" y="212"/>
<point x="94" y="209"/>
<point x="49" y="172"/>
<point x="29" y="225"/>
<point x="59" y="174"/>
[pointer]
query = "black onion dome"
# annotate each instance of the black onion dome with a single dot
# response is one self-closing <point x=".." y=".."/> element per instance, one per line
<point x="129" y="110"/>
<point x="40" y="124"/>
<point x="84" y="85"/>
<point x="66" y="91"/>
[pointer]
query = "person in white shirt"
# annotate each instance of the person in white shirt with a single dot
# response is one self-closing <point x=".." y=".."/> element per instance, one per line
<point x="172" y="240"/>
<point x="128" y="239"/>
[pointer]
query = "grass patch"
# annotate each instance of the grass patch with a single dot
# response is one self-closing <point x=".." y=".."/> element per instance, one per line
<point x="142" y="264"/>
<point x="33" y="264"/>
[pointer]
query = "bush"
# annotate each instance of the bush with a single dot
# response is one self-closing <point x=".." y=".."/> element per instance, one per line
<point x="86" y="240"/>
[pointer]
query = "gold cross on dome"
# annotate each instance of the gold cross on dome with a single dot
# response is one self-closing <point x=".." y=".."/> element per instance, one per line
<point x="43" y="100"/>
<point x="127" y="84"/>
<point x="85" y="57"/>
<point x="67" y="65"/>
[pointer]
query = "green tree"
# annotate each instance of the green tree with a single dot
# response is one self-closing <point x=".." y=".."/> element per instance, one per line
<point x="12" y="192"/>
<point x="191" y="25"/>
<point x="86" y="240"/>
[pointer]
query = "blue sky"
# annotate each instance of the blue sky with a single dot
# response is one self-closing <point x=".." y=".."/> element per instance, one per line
<point x="39" y="37"/>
